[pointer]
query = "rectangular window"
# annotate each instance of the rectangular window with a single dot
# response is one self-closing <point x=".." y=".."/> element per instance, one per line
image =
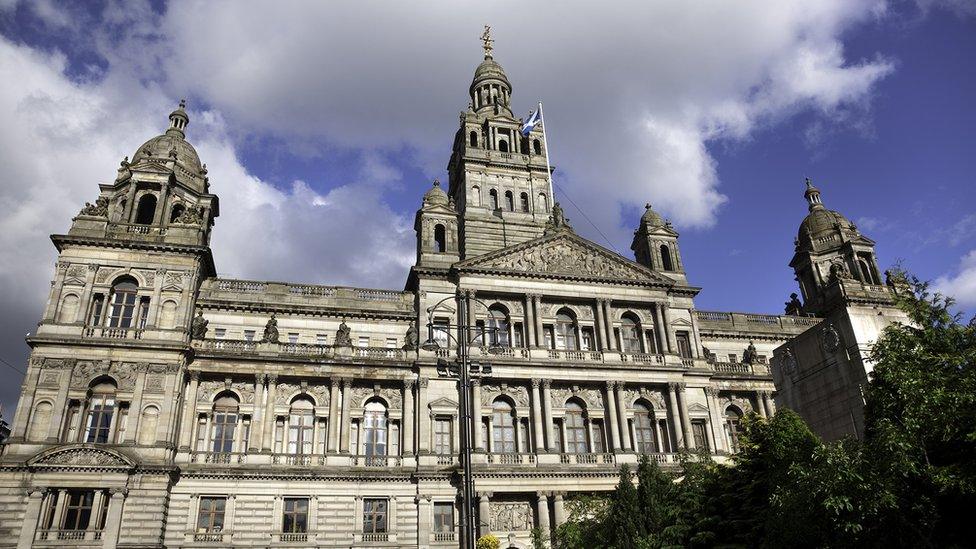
<point x="651" y="341"/>
<point x="443" y="445"/>
<point x="524" y="439"/>
<point x="98" y="302"/>
<point x="364" y="341"/>
<point x="78" y="510"/>
<point x="557" y="435"/>
<point x="122" y="420"/>
<point x="220" y="333"/>
<point x="295" y="519"/>
<point x="699" y="430"/>
<point x="292" y="337"/>
<point x="100" y="410"/>
<point x="354" y="437"/>
<point x="587" y="344"/>
<point x="321" y="339"/>
<point x="201" y="434"/>
<point x="245" y="432"/>
<point x="394" y="443"/>
<point x="323" y="436"/>
<point x="248" y="335"/>
<point x="598" y="437"/>
<point x="300" y="427"/>
<point x="441" y="328"/>
<point x="224" y="425"/>
<point x="143" y="312"/>
<point x="550" y="339"/>
<point x="684" y="344"/>
<point x="374" y="515"/>
<point x="443" y="517"/>
<point x="519" y="334"/>
<point x="210" y="519"/>
<point x="279" y="434"/>
<point x="123" y="309"/>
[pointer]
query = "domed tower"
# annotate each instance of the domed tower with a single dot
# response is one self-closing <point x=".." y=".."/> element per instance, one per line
<point x="655" y="246"/>
<point x="436" y="224"/>
<point x="830" y="250"/>
<point x="499" y="179"/>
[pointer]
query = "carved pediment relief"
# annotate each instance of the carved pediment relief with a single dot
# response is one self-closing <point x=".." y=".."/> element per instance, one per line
<point x="444" y="404"/>
<point x="84" y="457"/>
<point x="563" y="254"/>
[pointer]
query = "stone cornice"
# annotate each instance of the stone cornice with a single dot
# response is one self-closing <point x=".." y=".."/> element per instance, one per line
<point x="60" y="240"/>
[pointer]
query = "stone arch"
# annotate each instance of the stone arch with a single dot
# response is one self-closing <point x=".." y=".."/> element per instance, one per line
<point x="68" y="309"/>
<point x="146" y="209"/>
<point x="167" y="314"/>
<point x="40" y="421"/>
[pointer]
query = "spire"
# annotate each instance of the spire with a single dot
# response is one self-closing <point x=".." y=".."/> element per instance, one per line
<point x="812" y="195"/>
<point x="487" y="41"/>
<point x="178" y="120"/>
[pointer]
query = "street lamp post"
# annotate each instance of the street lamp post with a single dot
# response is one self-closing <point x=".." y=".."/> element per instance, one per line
<point x="465" y="337"/>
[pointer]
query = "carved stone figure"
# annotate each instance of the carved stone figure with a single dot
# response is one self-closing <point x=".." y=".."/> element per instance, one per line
<point x="831" y="339"/>
<point x="198" y="328"/>
<point x="191" y="216"/>
<point x="838" y="272"/>
<point x="98" y="209"/>
<point x="513" y="516"/>
<point x="410" y="340"/>
<point x="342" y="338"/>
<point x="566" y="257"/>
<point x="558" y="219"/>
<point x="270" y="330"/>
<point x="789" y="361"/>
<point x="749" y="356"/>
<point x="793" y="306"/>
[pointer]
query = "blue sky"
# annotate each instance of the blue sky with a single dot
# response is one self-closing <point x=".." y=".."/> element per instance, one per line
<point x="323" y="124"/>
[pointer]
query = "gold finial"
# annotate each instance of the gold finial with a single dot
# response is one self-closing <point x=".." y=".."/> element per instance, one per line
<point x="486" y="38"/>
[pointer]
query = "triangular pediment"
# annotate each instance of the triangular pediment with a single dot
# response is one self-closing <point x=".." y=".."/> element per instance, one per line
<point x="563" y="254"/>
<point x="152" y="166"/>
<point x="80" y="457"/>
<point x="443" y="404"/>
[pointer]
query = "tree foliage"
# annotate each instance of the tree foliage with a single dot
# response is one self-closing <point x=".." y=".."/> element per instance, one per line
<point x="911" y="481"/>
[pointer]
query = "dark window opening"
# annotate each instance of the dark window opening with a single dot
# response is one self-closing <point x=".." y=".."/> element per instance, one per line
<point x="537" y="146"/>
<point x="666" y="258"/>
<point x="146" y="210"/>
<point x="176" y="213"/>
<point x="503" y="146"/>
<point x="473" y="139"/>
<point x="440" y="239"/>
<point x="524" y="202"/>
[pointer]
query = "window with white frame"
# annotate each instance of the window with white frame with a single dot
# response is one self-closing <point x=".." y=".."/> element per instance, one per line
<point x="295" y="516"/>
<point x="443" y="443"/>
<point x="100" y="413"/>
<point x="210" y="517"/>
<point x="375" y="515"/>
<point x="301" y="420"/>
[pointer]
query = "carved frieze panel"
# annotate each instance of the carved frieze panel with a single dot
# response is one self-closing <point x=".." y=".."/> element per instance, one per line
<point x="360" y="395"/>
<point x="286" y="391"/>
<point x="75" y="276"/>
<point x="741" y="403"/>
<point x="104" y="273"/>
<point x="654" y="397"/>
<point x="51" y="378"/>
<point x="208" y="389"/>
<point x="593" y="398"/>
<point x="85" y="371"/>
<point x="81" y="457"/>
<point x="518" y="394"/>
<point x="509" y="516"/>
<point x="57" y="363"/>
<point x="148" y="277"/>
<point x="173" y="280"/>
<point x="567" y="258"/>
<point x="154" y="383"/>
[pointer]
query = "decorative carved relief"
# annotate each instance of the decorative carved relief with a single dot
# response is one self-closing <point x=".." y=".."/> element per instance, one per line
<point x="742" y="403"/>
<point x="518" y="394"/>
<point x="173" y="280"/>
<point x="246" y="390"/>
<point x="75" y="275"/>
<point x="154" y="384"/>
<point x="149" y="277"/>
<point x="654" y="397"/>
<point x="509" y="516"/>
<point x="830" y="339"/>
<point x="565" y="257"/>
<point x="591" y="397"/>
<point x="50" y="379"/>
<point x="361" y="394"/>
<point x="103" y="273"/>
<point x="85" y="371"/>
<point x="82" y="457"/>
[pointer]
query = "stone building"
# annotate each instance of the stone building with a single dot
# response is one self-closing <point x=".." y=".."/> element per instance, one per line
<point x="166" y="406"/>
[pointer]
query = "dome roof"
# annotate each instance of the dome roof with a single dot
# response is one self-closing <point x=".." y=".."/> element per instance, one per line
<point x="436" y="195"/>
<point x="651" y="217"/>
<point x="821" y="221"/>
<point x="489" y="68"/>
<point x="162" y="146"/>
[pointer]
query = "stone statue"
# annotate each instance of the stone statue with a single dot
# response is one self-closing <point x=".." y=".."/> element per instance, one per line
<point x="793" y="306"/>
<point x="749" y="356"/>
<point x="557" y="220"/>
<point x="98" y="209"/>
<point x="191" y="216"/>
<point x="411" y="338"/>
<point x="838" y="272"/>
<point x="271" y="330"/>
<point x="198" y="327"/>
<point x="709" y="357"/>
<point x="342" y="338"/>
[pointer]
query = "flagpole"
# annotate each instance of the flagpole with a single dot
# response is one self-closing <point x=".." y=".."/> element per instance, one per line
<point x="545" y="148"/>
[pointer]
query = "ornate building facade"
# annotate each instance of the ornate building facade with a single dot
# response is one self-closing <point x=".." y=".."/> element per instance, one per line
<point x="166" y="406"/>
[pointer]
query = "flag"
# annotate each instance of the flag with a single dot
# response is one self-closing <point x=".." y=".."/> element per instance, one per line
<point x="534" y="119"/>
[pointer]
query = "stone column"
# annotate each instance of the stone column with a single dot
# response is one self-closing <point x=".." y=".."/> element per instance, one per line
<point x="696" y="344"/>
<point x="151" y="320"/>
<point x="675" y="415"/>
<point x="621" y="410"/>
<point x="718" y="438"/>
<point x="135" y="408"/>
<point x="559" y="510"/>
<point x="333" y="438"/>
<point x="267" y="439"/>
<point x="472" y="318"/>
<point x="408" y="417"/>
<point x="542" y="507"/>
<point x="484" y="512"/>
<point x="659" y="329"/>
<point x="547" y="415"/>
<point x="685" y="420"/>
<point x="608" y="319"/>
<point x="54" y="296"/>
<point x="113" y="518"/>
<point x="26" y="403"/>
<point x="612" y="417"/>
<point x="35" y="496"/>
<point x="479" y="443"/>
<point x="540" y="337"/>
<point x="540" y="437"/>
<point x="530" y="322"/>
<point x="84" y="307"/>
<point x="601" y="326"/>
<point x="760" y="405"/>
<point x="423" y="520"/>
<point x="672" y="341"/>
<point x="161" y="204"/>
<point x="257" y="416"/>
<point x="96" y="511"/>
<point x="189" y="411"/>
<point x="60" y="407"/>
<point x="767" y="403"/>
<point x="346" y="424"/>
<point x="423" y="416"/>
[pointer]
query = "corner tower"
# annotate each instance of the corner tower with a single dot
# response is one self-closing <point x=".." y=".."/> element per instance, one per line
<point x="498" y="177"/>
<point x="655" y="246"/>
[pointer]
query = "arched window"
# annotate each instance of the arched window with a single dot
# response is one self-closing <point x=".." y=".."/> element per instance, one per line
<point x="476" y="195"/>
<point x="225" y="411"/>
<point x="148" y="425"/>
<point x="536" y="146"/>
<point x="123" y="302"/>
<point x="493" y="199"/>
<point x="503" y="427"/>
<point x="440" y="239"/>
<point x="503" y="146"/>
<point x="524" y="202"/>
<point x="175" y="214"/>
<point x="473" y="139"/>
<point x="69" y="309"/>
<point x="301" y="426"/>
<point x="40" y="424"/>
<point x="666" y="258"/>
<point x="498" y="327"/>
<point x="146" y="210"/>
<point x="644" y="429"/>
<point x="375" y="428"/>
<point x="733" y="426"/>
<point x="630" y="334"/>
<point x="543" y="202"/>
<point x="100" y="412"/>
<point x="576" y="429"/>
<point x="566" y="331"/>
<point x="509" y="201"/>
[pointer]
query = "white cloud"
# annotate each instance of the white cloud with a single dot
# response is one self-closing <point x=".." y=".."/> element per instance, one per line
<point x="961" y="285"/>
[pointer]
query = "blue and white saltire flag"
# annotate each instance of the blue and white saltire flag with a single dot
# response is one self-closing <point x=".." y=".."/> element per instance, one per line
<point x="534" y="119"/>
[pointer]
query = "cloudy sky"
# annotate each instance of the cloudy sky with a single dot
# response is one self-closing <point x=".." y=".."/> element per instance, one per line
<point x="322" y="124"/>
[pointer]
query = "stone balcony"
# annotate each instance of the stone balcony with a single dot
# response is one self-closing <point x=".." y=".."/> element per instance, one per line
<point x="100" y="227"/>
<point x="305" y="296"/>
<point x="298" y="351"/>
<point x="784" y="325"/>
